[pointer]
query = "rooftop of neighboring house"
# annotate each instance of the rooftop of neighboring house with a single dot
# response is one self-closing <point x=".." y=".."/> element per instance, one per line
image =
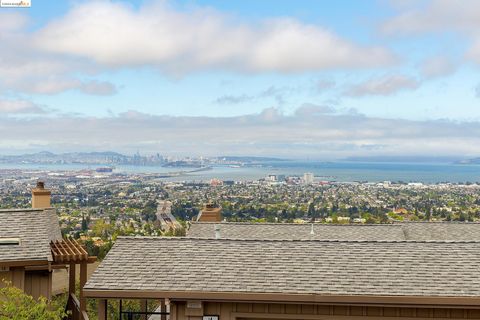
<point x="463" y="231"/>
<point x="25" y="235"/>
<point x="303" y="270"/>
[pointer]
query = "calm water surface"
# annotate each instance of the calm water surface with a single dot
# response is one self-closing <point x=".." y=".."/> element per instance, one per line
<point x="331" y="171"/>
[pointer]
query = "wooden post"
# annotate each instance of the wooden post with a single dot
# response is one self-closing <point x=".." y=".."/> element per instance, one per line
<point x="173" y="311"/>
<point x="71" y="288"/>
<point x="83" y="280"/>
<point x="163" y="308"/>
<point x="143" y="308"/>
<point x="102" y="309"/>
<point x="71" y="279"/>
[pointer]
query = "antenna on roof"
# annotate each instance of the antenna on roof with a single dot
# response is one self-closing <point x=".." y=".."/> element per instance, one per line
<point x="311" y="231"/>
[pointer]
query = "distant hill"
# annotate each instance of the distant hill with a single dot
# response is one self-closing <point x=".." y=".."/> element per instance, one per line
<point x="107" y="157"/>
<point x="102" y="153"/>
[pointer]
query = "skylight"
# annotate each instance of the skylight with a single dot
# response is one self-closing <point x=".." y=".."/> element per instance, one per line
<point x="9" y="241"/>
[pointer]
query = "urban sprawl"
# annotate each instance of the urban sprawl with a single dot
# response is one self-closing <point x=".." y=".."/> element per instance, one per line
<point x="96" y="207"/>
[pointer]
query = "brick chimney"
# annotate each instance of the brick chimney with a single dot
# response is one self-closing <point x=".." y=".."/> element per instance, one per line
<point x="210" y="213"/>
<point x="40" y="196"/>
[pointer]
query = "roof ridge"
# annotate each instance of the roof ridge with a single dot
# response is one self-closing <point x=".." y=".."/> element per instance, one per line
<point x="159" y="238"/>
<point x="435" y="222"/>
<point x="298" y="224"/>
<point x="395" y="223"/>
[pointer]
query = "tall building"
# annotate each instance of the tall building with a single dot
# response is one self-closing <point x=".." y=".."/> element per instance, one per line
<point x="271" y="178"/>
<point x="308" y="178"/>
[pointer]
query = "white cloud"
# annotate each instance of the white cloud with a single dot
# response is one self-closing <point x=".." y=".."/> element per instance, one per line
<point x="278" y="93"/>
<point x="12" y="22"/>
<point x="440" y="16"/>
<point x="55" y="84"/>
<point x="19" y="106"/>
<point x="50" y="85"/>
<point x="116" y="35"/>
<point x="312" y="131"/>
<point x="437" y="66"/>
<point x="25" y="68"/>
<point x="311" y="109"/>
<point x="436" y="15"/>
<point x="99" y="88"/>
<point x="95" y="36"/>
<point x="474" y="52"/>
<point x="234" y="99"/>
<point x="384" y="86"/>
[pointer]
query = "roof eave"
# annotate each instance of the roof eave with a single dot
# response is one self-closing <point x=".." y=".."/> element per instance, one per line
<point x="370" y="300"/>
<point x="23" y="263"/>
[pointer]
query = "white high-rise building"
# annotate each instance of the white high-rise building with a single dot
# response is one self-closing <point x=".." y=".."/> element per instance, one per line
<point x="308" y="178"/>
<point x="271" y="178"/>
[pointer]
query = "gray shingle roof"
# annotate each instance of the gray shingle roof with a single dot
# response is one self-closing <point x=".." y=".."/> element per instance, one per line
<point x="441" y="230"/>
<point x="34" y="228"/>
<point x="291" y="231"/>
<point x="363" y="268"/>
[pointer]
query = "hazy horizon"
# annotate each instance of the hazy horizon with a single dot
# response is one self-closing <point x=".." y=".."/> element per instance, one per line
<point x="247" y="157"/>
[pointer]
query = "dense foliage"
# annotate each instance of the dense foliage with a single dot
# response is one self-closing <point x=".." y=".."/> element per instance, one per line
<point x="16" y="305"/>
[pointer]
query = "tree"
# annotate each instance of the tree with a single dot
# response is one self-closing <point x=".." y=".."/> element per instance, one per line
<point x="16" y="305"/>
<point x="102" y="229"/>
<point x="84" y="223"/>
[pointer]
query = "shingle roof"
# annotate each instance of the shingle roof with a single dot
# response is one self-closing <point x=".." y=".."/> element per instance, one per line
<point x="34" y="228"/>
<point x="441" y="230"/>
<point x="353" y="268"/>
<point x="292" y="231"/>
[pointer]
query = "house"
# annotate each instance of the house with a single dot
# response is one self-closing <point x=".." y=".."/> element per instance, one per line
<point x="295" y="231"/>
<point x="25" y="255"/>
<point x="32" y="250"/>
<point x="423" y="231"/>
<point x="256" y="271"/>
<point x="255" y="279"/>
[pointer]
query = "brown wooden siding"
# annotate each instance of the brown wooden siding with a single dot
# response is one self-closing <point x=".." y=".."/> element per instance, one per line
<point x="38" y="283"/>
<point x="272" y="311"/>
<point x="15" y="276"/>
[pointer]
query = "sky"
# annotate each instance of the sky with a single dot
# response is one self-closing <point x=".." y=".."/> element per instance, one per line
<point x="292" y="78"/>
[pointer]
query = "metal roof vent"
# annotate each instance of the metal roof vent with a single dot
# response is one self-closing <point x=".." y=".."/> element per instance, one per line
<point x="312" y="233"/>
<point x="217" y="231"/>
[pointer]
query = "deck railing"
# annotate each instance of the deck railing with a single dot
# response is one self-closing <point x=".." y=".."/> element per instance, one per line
<point x="138" y="315"/>
<point x="160" y="313"/>
<point x="73" y="309"/>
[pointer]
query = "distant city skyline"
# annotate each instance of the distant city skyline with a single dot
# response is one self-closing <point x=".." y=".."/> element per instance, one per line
<point x="295" y="79"/>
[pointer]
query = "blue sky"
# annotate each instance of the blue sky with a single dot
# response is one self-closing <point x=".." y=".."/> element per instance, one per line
<point x="328" y="79"/>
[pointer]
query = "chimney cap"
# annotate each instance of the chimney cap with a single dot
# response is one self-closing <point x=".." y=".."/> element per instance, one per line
<point x="40" y="185"/>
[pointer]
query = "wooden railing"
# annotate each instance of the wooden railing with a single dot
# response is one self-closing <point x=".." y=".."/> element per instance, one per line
<point x="73" y="309"/>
